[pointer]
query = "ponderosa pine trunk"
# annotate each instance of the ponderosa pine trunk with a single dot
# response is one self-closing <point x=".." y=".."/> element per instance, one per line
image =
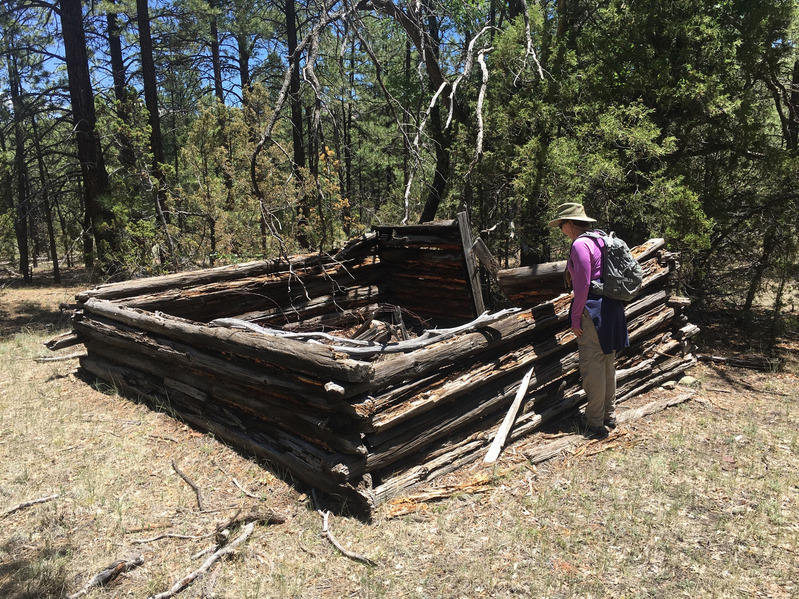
<point x="94" y="174"/>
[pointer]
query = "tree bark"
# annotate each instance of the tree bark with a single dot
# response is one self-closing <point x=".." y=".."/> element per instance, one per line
<point x="48" y="209"/>
<point x="23" y="206"/>
<point x="216" y="58"/>
<point x="127" y="156"/>
<point x="154" y="119"/>
<point x="94" y="174"/>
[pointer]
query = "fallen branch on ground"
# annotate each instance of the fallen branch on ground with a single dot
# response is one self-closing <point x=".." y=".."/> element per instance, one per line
<point x="751" y="361"/>
<point x="245" y="491"/>
<point x="25" y="504"/>
<point x="345" y="552"/>
<point x="169" y="535"/>
<point x="333" y="541"/>
<point x="220" y="553"/>
<point x="74" y="356"/>
<point x="108" y="574"/>
<point x="191" y="484"/>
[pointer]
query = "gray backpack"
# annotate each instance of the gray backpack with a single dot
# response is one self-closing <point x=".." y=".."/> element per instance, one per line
<point x="621" y="273"/>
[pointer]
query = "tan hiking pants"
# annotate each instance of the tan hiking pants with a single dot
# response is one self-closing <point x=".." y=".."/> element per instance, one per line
<point x="598" y="371"/>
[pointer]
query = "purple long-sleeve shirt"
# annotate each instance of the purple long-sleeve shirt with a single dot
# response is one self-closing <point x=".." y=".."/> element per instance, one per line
<point x="585" y="265"/>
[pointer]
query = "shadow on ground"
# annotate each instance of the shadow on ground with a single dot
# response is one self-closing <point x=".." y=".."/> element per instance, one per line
<point x="40" y="574"/>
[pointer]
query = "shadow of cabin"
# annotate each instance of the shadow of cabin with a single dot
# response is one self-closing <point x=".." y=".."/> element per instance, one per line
<point x="372" y="370"/>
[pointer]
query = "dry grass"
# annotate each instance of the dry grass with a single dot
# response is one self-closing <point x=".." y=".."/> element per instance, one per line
<point x="699" y="501"/>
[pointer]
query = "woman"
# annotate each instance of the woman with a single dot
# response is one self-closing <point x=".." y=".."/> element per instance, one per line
<point x="597" y="322"/>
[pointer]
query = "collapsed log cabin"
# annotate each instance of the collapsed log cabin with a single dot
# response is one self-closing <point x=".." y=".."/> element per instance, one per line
<point x="367" y="372"/>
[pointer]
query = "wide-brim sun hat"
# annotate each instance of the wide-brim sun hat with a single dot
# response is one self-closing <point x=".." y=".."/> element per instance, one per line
<point x="571" y="211"/>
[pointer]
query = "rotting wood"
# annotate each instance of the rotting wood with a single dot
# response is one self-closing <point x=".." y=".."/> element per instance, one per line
<point x="486" y="258"/>
<point x="369" y="422"/>
<point x="285" y="352"/>
<point x="62" y="341"/>
<point x="504" y="429"/>
<point x="109" y="574"/>
<point x="471" y="268"/>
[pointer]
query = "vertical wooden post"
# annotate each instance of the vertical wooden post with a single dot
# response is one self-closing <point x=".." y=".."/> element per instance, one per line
<point x="471" y="264"/>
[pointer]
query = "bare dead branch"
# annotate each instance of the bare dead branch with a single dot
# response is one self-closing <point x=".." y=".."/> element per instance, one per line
<point x="172" y="536"/>
<point x="189" y="482"/>
<point x="326" y="533"/>
<point x="345" y="552"/>
<point x="26" y="504"/>
<point x="217" y="555"/>
<point x="478" y="152"/>
<point x="243" y="490"/>
<point x="530" y="47"/>
<point x="109" y="574"/>
<point x="467" y="69"/>
<point x="416" y="144"/>
<point x="60" y="358"/>
<point x="327" y="18"/>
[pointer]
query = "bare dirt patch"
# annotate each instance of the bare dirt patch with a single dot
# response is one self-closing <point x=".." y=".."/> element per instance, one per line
<point x="699" y="500"/>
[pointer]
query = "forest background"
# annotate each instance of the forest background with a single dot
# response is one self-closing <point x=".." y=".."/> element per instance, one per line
<point x="153" y="136"/>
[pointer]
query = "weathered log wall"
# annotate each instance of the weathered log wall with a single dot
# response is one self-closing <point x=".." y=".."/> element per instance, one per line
<point x="354" y="417"/>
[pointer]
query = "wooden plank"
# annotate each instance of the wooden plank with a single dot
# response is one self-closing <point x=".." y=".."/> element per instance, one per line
<point x="473" y="274"/>
<point x="507" y="423"/>
<point x="486" y="258"/>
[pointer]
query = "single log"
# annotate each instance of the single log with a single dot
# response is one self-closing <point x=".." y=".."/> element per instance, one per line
<point x="194" y="278"/>
<point x="63" y="340"/>
<point x="109" y="574"/>
<point x="438" y="228"/>
<point x="531" y="276"/>
<point x="751" y="361"/>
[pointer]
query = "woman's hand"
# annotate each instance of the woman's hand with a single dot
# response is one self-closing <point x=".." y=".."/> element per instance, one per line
<point x="577" y="332"/>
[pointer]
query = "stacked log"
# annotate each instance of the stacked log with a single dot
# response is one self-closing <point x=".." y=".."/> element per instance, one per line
<point x="359" y="418"/>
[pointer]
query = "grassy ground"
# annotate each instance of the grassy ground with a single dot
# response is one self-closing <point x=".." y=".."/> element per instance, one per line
<point x="701" y="500"/>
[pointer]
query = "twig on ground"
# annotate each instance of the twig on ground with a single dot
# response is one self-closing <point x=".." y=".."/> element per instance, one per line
<point x="170" y="535"/>
<point x="170" y="439"/>
<point x="245" y="491"/>
<point x="333" y="541"/>
<point x="191" y="484"/>
<point x="25" y="504"/>
<point x="217" y="555"/>
<point x="148" y="527"/>
<point x="345" y="552"/>
<point x="108" y="574"/>
<point x="74" y="356"/>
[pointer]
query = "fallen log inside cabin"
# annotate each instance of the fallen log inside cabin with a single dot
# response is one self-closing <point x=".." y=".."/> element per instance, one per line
<point x="372" y="370"/>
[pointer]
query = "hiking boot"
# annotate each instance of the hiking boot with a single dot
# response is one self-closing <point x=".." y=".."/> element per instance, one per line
<point x="610" y="422"/>
<point x="595" y="432"/>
